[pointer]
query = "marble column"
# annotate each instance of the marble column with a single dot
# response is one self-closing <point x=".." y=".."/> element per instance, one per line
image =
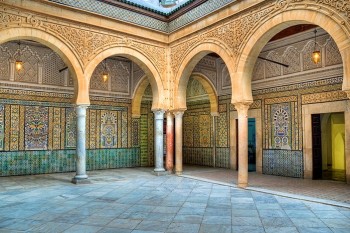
<point x="178" y="142"/>
<point x="169" y="142"/>
<point x="242" y="110"/>
<point x="158" y="141"/>
<point x="81" y="176"/>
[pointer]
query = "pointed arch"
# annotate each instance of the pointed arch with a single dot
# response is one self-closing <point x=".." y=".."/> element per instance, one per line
<point x="141" y="60"/>
<point x="137" y="96"/>
<point x="241" y="86"/>
<point x="210" y="89"/>
<point x="190" y="61"/>
<point x="61" y="48"/>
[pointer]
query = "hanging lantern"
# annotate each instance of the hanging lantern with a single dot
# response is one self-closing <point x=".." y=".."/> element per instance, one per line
<point x="105" y="73"/>
<point x="104" y="76"/>
<point x="316" y="55"/>
<point x="19" y="63"/>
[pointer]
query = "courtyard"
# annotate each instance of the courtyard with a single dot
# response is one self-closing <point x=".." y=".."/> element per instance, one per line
<point x="134" y="200"/>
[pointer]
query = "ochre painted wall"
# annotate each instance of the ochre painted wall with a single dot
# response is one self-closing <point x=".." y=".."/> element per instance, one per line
<point x="338" y="132"/>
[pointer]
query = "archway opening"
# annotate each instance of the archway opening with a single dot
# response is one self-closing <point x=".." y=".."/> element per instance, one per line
<point x="206" y="119"/>
<point x="284" y="79"/>
<point x="120" y="116"/>
<point x="329" y="160"/>
<point x="36" y="103"/>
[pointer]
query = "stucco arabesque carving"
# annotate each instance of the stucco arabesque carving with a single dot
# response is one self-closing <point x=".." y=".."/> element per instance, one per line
<point x="235" y="32"/>
<point x="84" y="42"/>
<point x="340" y="6"/>
<point x="229" y="35"/>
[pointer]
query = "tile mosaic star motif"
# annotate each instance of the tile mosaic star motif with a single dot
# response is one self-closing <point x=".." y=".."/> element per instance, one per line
<point x="36" y="127"/>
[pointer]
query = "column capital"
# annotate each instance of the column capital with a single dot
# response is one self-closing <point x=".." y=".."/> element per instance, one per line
<point x="82" y="105"/>
<point x="135" y="116"/>
<point x="179" y="114"/>
<point x="158" y="114"/>
<point x="179" y="111"/>
<point x="214" y="114"/>
<point x="81" y="110"/>
<point x="169" y="114"/>
<point x="242" y="106"/>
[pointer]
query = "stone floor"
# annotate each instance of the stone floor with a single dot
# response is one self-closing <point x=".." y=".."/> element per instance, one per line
<point x="326" y="191"/>
<point x="134" y="200"/>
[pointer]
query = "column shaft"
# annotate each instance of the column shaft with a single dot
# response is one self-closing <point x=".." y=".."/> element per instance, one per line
<point x="169" y="142"/>
<point x="158" y="141"/>
<point x="178" y="142"/>
<point x="242" y="109"/>
<point x="81" y="147"/>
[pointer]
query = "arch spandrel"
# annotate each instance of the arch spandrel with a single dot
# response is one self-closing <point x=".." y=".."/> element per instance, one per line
<point x="190" y="61"/>
<point x="270" y="26"/>
<point x="142" y="61"/>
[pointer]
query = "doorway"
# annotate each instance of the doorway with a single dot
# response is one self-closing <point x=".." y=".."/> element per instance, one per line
<point x="328" y="146"/>
<point x="251" y="144"/>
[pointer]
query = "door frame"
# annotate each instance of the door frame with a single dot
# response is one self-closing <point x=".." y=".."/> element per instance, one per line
<point x="321" y="108"/>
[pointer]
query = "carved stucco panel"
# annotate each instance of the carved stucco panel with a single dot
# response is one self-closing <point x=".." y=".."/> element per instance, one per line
<point x="235" y="31"/>
<point x="228" y="35"/>
<point x="84" y="41"/>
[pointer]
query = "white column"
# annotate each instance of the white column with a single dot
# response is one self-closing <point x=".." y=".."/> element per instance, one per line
<point x="178" y="142"/>
<point x="242" y="110"/>
<point x="214" y="115"/>
<point x="158" y="141"/>
<point x="81" y="176"/>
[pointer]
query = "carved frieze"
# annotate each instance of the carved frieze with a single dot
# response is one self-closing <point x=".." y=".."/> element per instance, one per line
<point x="324" y="97"/>
<point x="234" y="32"/>
<point x="84" y="41"/>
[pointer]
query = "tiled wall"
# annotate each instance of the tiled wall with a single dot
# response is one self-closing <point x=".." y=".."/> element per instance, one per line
<point x="198" y="144"/>
<point x="52" y="161"/>
<point x="39" y="135"/>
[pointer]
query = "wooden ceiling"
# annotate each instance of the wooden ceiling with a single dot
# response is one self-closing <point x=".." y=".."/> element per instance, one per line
<point x="293" y="30"/>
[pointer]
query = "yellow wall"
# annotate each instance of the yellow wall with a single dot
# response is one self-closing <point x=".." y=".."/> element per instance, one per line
<point x="338" y="132"/>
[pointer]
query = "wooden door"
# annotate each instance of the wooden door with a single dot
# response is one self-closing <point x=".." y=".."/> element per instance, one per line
<point x="316" y="146"/>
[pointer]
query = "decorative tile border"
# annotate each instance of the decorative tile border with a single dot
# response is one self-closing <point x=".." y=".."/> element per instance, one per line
<point x="283" y="163"/>
<point x="198" y="156"/>
<point x="53" y="161"/>
<point x="222" y="158"/>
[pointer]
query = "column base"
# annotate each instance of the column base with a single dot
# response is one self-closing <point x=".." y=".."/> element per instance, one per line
<point x="170" y="172"/>
<point x="242" y="186"/>
<point x="81" y="179"/>
<point x="160" y="173"/>
<point x="348" y="179"/>
<point x="178" y="173"/>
